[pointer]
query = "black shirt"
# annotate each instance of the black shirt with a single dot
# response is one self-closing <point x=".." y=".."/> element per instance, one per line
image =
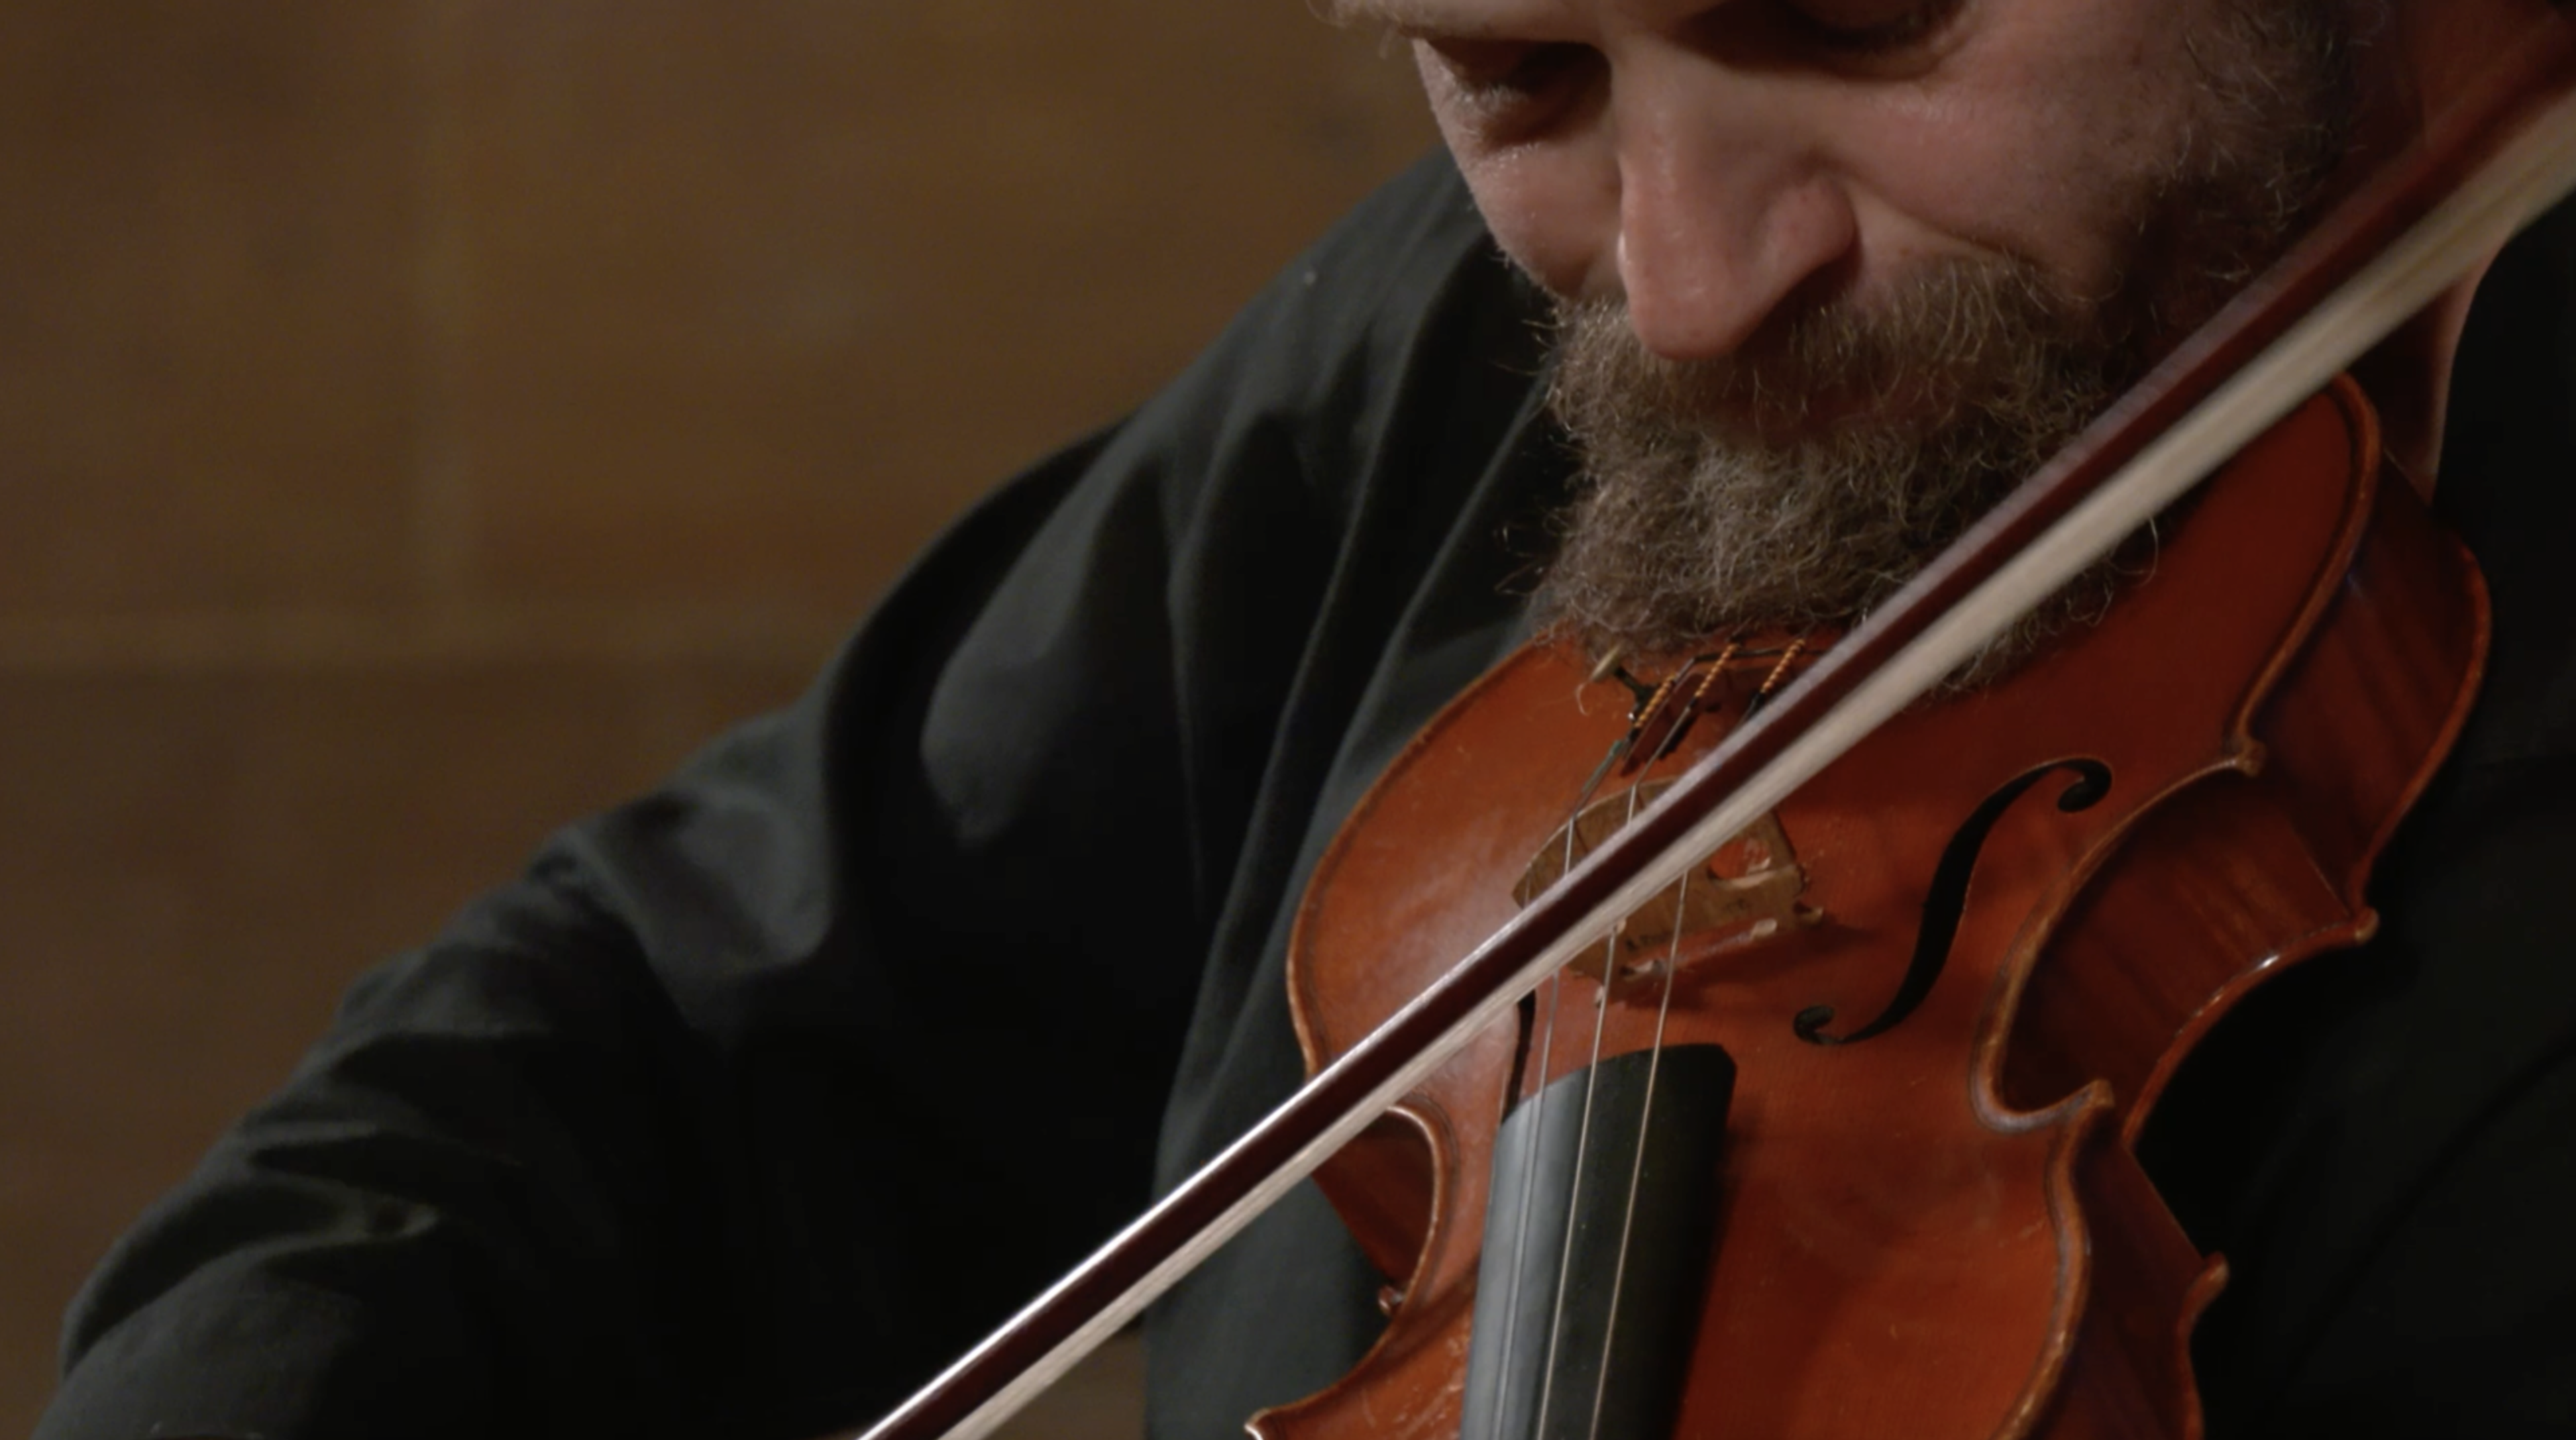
<point x="758" y="1099"/>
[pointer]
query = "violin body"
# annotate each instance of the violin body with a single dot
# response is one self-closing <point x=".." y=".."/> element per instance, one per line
<point x="1939" y="1230"/>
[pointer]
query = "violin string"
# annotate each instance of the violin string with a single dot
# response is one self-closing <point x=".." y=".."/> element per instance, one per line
<point x="1529" y="1171"/>
<point x="1546" y="1048"/>
<point x="1645" y="702"/>
<point x="1779" y="674"/>
<point x="1637" y="1162"/>
<point x="1574" y="1177"/>
<point x="1600" y="1029"/>
<point x="1670" y="742"/>
<point x="1650" y="704"/>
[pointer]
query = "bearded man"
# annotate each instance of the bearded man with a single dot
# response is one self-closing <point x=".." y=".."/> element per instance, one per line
<point x="760" y="1098"/>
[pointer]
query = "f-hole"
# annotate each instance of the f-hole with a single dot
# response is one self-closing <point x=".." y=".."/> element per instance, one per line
<point x="1948" y="899"/>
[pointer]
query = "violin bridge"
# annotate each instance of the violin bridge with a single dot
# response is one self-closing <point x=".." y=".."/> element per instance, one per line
<point x="1751" y="887"/>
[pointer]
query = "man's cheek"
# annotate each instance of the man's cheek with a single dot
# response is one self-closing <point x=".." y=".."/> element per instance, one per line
<point x="1552" y="214"/>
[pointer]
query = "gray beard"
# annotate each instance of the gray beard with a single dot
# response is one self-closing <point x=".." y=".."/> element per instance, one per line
<point x="1795" y="485"/>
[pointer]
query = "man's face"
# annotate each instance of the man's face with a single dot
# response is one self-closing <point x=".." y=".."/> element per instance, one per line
<point x="1883" y="252"/>
<point x="1712" y="163"/>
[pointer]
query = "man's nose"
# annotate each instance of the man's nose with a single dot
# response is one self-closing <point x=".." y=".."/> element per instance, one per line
<point x="1723" y="215"/>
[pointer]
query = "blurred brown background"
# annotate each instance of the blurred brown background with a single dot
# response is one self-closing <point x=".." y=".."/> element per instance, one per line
<point x="422" y="422"/>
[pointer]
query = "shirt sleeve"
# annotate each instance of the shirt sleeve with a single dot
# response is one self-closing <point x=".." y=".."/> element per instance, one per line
<point x="759" y="1098"/>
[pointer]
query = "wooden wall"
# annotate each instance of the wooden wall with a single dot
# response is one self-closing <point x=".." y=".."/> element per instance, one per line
<point x="424" y="421"/>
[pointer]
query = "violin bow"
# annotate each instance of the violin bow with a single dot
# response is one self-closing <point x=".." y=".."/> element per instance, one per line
<point x="2377" y="259"/>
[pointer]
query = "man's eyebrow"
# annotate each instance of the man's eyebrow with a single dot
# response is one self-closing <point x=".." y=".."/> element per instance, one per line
<point x="1390" y="13"/>
<point x="1409" y="17"/>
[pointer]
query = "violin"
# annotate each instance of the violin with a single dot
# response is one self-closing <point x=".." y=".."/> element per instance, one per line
<point x="1941" y="985"/>
<point x="1908" y="998"/>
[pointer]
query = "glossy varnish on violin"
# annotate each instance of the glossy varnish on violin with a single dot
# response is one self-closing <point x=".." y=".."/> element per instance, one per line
<point x="1939" y="1231"/>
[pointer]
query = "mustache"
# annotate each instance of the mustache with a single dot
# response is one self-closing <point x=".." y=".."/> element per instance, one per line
<point x="1796" y="482"/>
<point x="1951" y="336"/>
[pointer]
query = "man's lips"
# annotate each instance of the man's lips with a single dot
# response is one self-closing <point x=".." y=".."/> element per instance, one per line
<point x="1908" y="408"/>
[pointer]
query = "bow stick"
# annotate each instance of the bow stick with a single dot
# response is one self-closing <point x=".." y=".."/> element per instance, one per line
<point x="2377" y="259"/>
